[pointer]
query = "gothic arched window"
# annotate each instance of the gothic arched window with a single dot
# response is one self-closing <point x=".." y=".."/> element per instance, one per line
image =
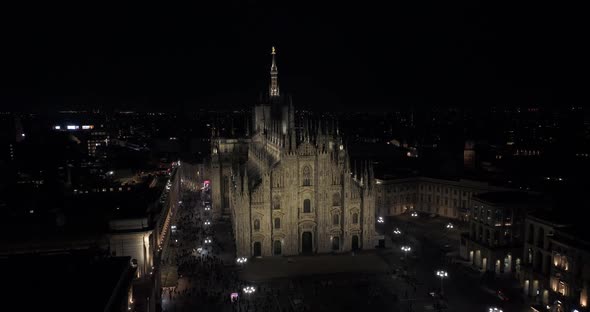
<point x="307" y="206"/>
<point x="256" y="225"/>
<point x="277" y="223"/>
<point x="336" y="199"/>
<point x="336" y="219"/>
<point x="355" y="218"/>
<point x="276" y="203"/>
<point x="306" y="176"/>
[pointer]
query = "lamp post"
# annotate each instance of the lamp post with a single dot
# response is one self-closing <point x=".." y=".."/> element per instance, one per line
<point x="442" y="274"/>
<point x="450" y="226"/>
<point x="494" y="309"/>
<point x="397" y="231"/>
<point x="405" y="249"/>
<point x="242" y="260"/>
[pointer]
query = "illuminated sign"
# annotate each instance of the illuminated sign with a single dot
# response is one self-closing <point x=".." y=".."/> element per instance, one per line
<point x="73" y="127"/>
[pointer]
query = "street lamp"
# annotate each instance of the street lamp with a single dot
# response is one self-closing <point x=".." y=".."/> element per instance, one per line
<point x="494" y="309"/>
<point x="249" y="289"/>
<point x="406" y="249"/>
<point x="414" y="214"/>
<point x="207" y="222"/>
<point x="242" y="260"/>
<point x="380" y="220"/>
<point x="207" y="241"/>
<point x="450" y="226"/>
<point x="442" y="274"/>
<point x="397" y="231"/>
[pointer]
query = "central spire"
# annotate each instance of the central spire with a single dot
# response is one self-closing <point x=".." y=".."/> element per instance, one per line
<point x="274" y="73"/>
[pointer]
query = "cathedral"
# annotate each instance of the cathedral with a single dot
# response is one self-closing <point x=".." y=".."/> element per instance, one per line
<point x="288" y="185"/>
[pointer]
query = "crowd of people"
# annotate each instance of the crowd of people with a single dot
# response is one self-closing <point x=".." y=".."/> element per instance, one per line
<point x="205" y="281"/>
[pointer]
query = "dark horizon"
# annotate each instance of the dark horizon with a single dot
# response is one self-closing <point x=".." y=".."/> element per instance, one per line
<point x="462" y="55"/>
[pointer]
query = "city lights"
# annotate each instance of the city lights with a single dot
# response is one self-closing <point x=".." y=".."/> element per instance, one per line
<point x="442" y="274"/>
<point x="406" y="249"/>
<point x="249" y="289"/>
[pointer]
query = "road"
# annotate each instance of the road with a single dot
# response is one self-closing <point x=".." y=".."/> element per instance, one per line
<point x="463" y="288"/>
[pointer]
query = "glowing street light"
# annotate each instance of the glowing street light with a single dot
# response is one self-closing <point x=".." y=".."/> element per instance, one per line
<point x="249" y="289"/>
<point x="406" y="249"/>
<point x="397" y="231"/>
<point x="380" y="220"/>
<point x="450" y="226"/>
<point x="242" y="260"/>
<point x="494" y="309"/>
<point x="207" y="222"/>
<point x="208" y="241"/>
<point x="442" y="274"/>
<point x="414" y="214"/>
<point x="207" y="208"/>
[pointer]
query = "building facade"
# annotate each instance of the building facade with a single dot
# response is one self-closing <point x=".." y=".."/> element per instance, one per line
<point x="556" y="272"/>
<point x="496" y="231"/>
<point x="448" y="198"/>
<point x="289" y="187"/>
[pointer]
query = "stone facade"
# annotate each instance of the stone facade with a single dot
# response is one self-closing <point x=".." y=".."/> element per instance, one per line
<point x="447" y="198"/>
<point x="289" y="188"/>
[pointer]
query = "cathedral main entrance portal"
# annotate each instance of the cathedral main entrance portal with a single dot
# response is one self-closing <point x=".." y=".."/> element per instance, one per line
<point x="355" y="242"/>
<point x="306" y="243"/>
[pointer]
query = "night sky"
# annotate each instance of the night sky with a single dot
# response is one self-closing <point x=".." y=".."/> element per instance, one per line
<point x="365" y="57"/>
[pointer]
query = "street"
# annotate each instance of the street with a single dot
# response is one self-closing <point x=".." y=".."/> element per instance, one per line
<point x="433" y="245"/>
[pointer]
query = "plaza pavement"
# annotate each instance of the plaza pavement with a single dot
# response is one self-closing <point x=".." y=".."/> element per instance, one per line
<point x="280" y="267"/>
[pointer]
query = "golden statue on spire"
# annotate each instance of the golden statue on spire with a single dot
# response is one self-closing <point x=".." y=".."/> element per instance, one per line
<point x="273" y="50"/>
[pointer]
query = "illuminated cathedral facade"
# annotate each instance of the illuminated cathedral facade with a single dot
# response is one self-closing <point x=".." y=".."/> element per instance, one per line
<point x="289" y="187"/>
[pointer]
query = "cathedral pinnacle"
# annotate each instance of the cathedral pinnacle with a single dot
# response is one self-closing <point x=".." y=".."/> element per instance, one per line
<point x="274" y="73"/>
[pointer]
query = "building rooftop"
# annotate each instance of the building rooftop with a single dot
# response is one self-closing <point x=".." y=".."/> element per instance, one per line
<point x="505" y="197"/>
<point x="80" y="217"/>
<point x="66" y="282"/>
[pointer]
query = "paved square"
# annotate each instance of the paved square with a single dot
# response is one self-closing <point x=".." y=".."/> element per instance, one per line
<point x="281" y="267"/>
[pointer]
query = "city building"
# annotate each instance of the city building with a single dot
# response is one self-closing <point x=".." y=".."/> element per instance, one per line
<point x="108" y="222"/>
<point x="556" y="271"/>
<point x="496" y="231"/>
<point x="69" y="281"/>
<point x="289" y="187"/>
<point x="444" y="197"/>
